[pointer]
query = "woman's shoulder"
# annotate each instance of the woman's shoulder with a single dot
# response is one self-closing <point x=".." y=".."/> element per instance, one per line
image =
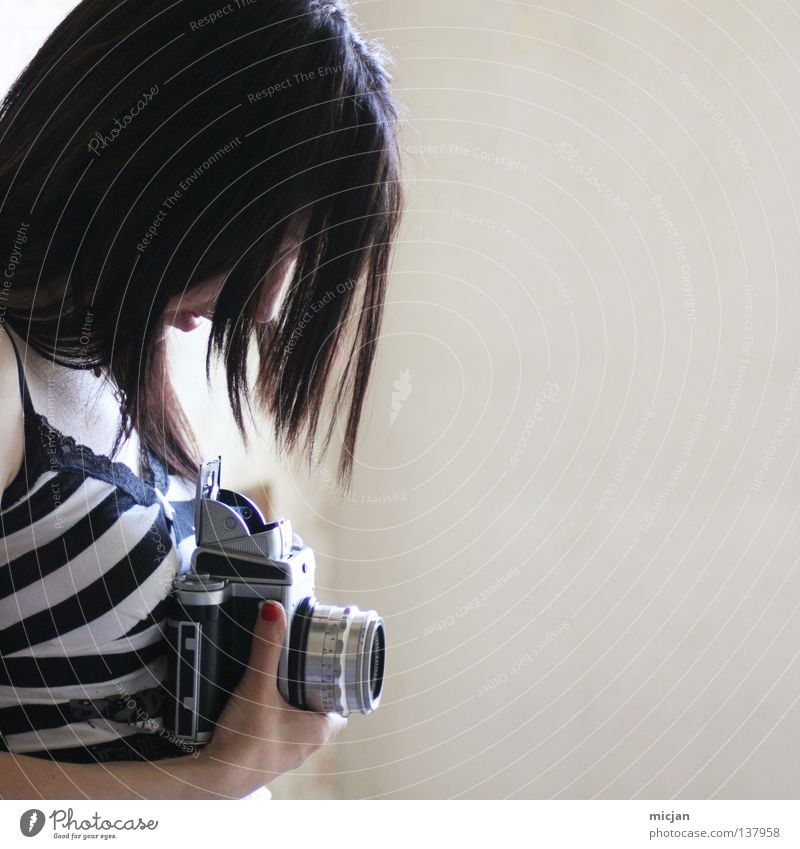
<point x="12" y="423"/>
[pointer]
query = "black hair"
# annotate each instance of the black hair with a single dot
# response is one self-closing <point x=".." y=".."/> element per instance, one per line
<point x="150" y="146"/>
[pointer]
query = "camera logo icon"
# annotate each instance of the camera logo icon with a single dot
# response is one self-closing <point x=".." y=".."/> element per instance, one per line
<point x="31" y="822"/>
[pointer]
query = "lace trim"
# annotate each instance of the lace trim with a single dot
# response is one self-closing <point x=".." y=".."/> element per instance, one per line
<point x="69" y="453"/>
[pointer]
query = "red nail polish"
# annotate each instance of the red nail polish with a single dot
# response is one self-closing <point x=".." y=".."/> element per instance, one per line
<point x="270" y="612"/>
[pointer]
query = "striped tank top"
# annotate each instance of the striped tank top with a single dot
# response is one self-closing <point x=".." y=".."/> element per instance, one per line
<point x="88" y="553"/>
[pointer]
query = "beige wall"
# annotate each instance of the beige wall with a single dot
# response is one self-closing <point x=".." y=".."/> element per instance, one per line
<point x="550" y="637"/>
<point x="581" y="523"/>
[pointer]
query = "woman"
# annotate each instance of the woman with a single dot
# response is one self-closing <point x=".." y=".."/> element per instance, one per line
<point x="161" y="164"/>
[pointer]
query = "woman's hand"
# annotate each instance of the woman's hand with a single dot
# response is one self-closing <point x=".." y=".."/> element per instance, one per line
<point x="259" y="735"/>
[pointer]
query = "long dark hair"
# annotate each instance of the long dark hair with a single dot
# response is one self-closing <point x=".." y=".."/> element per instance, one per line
<point x="152" y="145"/>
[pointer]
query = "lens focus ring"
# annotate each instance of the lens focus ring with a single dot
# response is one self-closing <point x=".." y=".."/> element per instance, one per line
<point x="344" y="660"/>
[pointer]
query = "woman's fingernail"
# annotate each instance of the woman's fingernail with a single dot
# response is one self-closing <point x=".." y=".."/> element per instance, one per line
<point x="270" y="612"/>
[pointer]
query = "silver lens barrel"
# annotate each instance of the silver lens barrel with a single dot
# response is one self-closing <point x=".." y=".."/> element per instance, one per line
<point x="344" y="660"/>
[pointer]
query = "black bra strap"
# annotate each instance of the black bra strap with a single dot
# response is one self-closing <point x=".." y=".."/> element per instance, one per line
<point x="27" y="404"/>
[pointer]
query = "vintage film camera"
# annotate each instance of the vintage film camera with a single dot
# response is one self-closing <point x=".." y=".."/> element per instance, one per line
<point x="333" y="657"/>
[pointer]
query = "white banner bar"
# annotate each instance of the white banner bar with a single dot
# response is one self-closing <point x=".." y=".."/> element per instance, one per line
<point x="550" y="824"/>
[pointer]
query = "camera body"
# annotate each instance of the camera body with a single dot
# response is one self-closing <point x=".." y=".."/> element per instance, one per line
<point x="333" y="657"/>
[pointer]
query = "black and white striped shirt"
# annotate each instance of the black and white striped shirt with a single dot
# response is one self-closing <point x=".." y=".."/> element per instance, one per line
<point x="88" y="553"/>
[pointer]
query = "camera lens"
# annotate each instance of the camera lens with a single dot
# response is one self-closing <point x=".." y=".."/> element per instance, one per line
<point x="336" y="658"/>
<point x="377" y="660"/>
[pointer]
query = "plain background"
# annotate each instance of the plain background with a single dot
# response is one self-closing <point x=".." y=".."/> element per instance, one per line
<point x="575" y="500"/>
